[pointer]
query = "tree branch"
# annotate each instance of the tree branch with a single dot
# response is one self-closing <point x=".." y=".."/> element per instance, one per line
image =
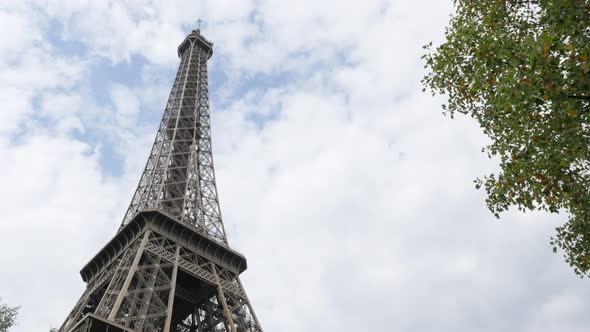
<point x="579" y="97"/>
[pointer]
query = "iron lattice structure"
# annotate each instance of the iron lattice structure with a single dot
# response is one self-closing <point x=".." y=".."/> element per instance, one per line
<point x="169" y="267"/>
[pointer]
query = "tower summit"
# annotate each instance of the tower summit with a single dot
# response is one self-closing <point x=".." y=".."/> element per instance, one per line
<point x="170" y="267"/>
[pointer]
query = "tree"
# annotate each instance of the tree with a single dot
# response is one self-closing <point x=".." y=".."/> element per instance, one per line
<point x="521" y="69"/>
<point x="7" y="316"/>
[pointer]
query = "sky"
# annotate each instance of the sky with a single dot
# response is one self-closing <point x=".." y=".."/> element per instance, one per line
<point x="345" y="186"/>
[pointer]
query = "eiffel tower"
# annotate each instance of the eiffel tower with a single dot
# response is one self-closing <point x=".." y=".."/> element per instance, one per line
<point x="170" y="267"/>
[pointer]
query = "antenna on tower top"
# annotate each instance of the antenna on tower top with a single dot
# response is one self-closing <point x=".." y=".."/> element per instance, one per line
<point x="199" y="22"/>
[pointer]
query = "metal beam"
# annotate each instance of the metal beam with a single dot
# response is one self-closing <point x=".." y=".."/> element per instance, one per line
<point x="171" y="294"/>
<point x="132" y="269"/>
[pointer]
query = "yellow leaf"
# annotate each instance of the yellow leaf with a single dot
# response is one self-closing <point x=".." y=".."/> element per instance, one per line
<point x="546" y="50"/>
<point x="548" y="85"/>
<point x="572" y="113"/>
<point x="541" y="178"/>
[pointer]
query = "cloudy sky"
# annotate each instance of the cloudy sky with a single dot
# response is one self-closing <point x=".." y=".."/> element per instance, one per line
<point x="344" y="185"/>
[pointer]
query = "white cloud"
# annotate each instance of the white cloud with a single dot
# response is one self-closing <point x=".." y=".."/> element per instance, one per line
<point x="20" y="37"/>
<point x="16" y="104"/>
<point x="55" y="202"/>
<point x="126" y="105"/>
<point x="63" y="110"/>
<point x="28" y="67"/>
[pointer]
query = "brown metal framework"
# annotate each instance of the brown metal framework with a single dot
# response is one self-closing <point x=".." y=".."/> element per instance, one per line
<point x="169" y="267"/>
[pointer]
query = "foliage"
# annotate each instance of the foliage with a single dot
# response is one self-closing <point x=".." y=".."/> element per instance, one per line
<point x="522" y="70"/>
<point x="7" y="316"/>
